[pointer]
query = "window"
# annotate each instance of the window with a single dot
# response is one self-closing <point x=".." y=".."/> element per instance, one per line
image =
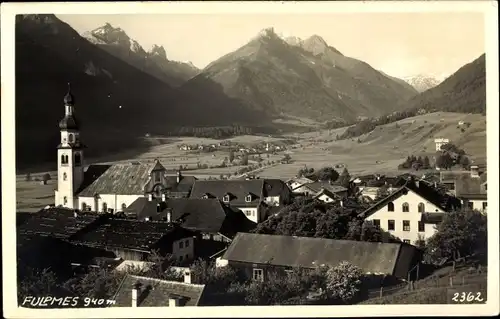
<point x="65" y="200"/>
<point x="225" y="198"/>
<point x="248" y="198"/>
<point x="470" y="205"/>
<point x="258" y="274"/>
<point x="421" y="208"/>
<point x="376" y="222"/>
<point x="187" y="257"/>
<point x="157" y="177"/>
<point x="124" y="206"/>
<point x="390" y="207"/>
<point x="71" y="138"/>
<point x="390" y="224"/>
<point x="78" y="159"/>
<point x="64" y="159"/>
<point x="104" y="207"/>
<point x="421" y="226"/>
<point x="65" y="176"/>
<point x="187" y="243"/>
<point x="180" y="258"/>
<point x="406" y="241"/>
<point x="406" y="225"/>
<point x="84" y="206"/>
<point x="485" y="204"/>
<point x="181" y="245"/>
<point x="406" y="207"/>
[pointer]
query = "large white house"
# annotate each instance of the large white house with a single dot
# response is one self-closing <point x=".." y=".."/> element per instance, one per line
<point x="106" y="188"/>
<point x="411" y="212"/>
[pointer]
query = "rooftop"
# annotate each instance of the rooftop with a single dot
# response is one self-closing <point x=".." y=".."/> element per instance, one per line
<point x="309" y="252"/>
<point x="156" y="293"/>
<point x="236" y="189"/>
<point x="57" y="222"/>
<point x="130" y="234"/>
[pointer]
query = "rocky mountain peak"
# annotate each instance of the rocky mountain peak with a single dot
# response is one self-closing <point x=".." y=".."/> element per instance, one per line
<point x="158" y="51"/>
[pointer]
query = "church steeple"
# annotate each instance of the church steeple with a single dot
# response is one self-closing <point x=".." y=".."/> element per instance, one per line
<point x="70" y="156"/>
<point x="69" y="121"/>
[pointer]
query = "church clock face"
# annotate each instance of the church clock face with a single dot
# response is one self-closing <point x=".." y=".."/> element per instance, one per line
<point x="157" y="191"/>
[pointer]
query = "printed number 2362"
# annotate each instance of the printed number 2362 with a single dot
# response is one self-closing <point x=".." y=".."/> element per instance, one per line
<point x="467" y="297"/>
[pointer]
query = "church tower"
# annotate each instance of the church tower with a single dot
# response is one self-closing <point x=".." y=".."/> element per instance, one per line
<point x="69" y="157"/>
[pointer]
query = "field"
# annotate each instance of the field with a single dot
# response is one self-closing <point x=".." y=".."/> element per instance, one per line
<point x="380" y="151"/>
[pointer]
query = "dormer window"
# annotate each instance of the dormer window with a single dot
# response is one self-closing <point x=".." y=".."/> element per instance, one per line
<point x="225" y="199"/>
<point x="248" y="198"/>
<point x="205" y="196"/>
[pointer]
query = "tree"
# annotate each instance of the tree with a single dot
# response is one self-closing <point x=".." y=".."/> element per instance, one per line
<point x="244" y="159"/>
<point x="465" y="162"/>
<point x="427" y="163"/>
<point x="327" y="174"/>
<point x="287" y="158"/>
<point x="35" y="283"/>
<point x="382" y="192"/>
<point x="459" y="234"/>
<point x="444" y="161"/>
<point x="46" y="177"/>
<point x="231" y="156"/>
<point x="28" y="177"/>
<point x="344" y="178"/>
<point x="343" y="282"/>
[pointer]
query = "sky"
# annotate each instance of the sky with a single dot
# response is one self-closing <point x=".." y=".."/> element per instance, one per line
<point x="399" y="44"/>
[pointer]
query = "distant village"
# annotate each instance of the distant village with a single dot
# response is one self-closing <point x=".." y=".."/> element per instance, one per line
<point x="139" y="235"/>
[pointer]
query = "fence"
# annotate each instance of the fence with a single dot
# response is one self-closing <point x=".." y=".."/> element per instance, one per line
<point x="446" y="280"/>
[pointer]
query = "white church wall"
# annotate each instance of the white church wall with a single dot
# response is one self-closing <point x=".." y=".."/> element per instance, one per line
<point x="112" y="201"/>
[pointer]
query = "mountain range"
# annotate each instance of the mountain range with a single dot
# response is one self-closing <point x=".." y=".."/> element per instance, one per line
<point x="123" y="91"/>
<point x="154" y="61"/>
<point x="422" y="82"/>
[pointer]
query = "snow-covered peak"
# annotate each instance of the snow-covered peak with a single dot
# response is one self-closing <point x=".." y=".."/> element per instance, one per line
<point x="293" y="40"/>
<point x="422" y="82"/>
<point x="158" y="51"/>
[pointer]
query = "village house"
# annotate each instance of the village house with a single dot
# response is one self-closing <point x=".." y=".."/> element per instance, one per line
<point x="257" y="254"/>
<point x="327" y="196"/>
<point x="472" y="190"/>
<point x="250" y="196"/>
<point x="136" y="240"/>
<point x="296" y="183"/>
<point x="411" y="212"/>
<point x="211" y="218"/>
<point x="139" y="291"/>
<point x="105" y="188"/>
<point x="440" y="142"/>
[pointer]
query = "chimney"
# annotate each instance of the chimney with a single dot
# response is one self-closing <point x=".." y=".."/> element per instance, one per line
<point x="179" y="176"/>
<point x="474" y="171"/>
<point x="417" y="183"/>
<point x="187" y="276"/>
<point x="158" y="208"/>
<point x="135" y="294"/>
<point x="75" y="214"/>
<point x="163" y="197"/>
<point x="169" y="216"/>
<point x="150" y="197"/>
<point x="173" y="301"/>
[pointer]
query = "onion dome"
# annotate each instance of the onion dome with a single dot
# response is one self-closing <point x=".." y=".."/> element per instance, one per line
<point x="68" y="123"/>
<point x="69" y="99"/>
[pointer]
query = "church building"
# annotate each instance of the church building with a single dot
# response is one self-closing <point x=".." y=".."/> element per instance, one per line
<point x="107" y="188"/>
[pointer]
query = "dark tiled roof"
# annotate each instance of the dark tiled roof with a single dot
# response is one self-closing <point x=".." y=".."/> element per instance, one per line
<point x="275" y="187"/>
<point x="424" y="190"/>
<point x="130" y="234"/>
<point x="205" y="215"/>
<point x="236" y="189"/>
<point x="92" y="173"/>
<point x="123" y="179"/>
<point x="327" y="193"/>
<point x="42" y="251"/>
<point x="466" y="185"/>
<point x="309" y="252"/>
<point x="184" y="186"/>
<point x="57" y="222"/>
<point x="156" y="292"/>
<point x="22" y="217"/>
<point x="432" y="218"/>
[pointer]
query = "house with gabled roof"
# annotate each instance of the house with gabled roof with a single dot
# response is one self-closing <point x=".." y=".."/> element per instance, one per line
<point x="257" y="254"/>
<point x="106" y="188"/>
<point x="250" y="196"/>
<point x="411" y="212"/>
<point x="211" y="218"/>
<point x="131" y="239"/>
<point x="139" y="291"/>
